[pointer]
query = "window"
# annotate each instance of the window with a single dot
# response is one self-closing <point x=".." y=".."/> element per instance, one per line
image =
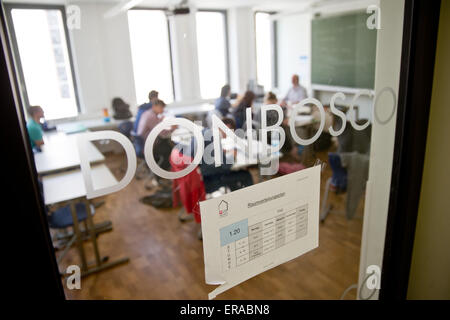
<point x="212" y="52"/>
<point x="150" y="51"/>
<point x="44" y="61"/>
<point x="265" y="40"/>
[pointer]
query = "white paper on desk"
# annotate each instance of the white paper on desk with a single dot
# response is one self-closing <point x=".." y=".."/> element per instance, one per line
<point x="252" y="230"/>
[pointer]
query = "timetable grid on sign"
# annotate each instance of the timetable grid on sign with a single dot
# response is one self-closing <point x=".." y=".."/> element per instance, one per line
<point x="242" y="243"/>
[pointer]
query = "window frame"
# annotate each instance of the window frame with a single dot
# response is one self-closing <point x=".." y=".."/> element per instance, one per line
<point x="274" y="49"/>
<point x="23" y="92"/>
<point x="170" y="40"/>
<point x="227" y="48"/>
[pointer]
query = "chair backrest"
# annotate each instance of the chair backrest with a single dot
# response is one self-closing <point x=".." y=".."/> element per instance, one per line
<point x="339" y="176"/>
<point x="125" y="128"/>
<point x="138" y="143"/>
<point x="361" y="139"/>
<point x="209" y="117"/>
<point x="354" y="140"/>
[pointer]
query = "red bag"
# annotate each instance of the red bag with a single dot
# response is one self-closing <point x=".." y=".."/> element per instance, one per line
<point x="286" y="168"/>
<point x="188" y="189"/>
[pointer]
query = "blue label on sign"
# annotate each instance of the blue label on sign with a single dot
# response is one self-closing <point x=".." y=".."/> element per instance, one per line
<point x="234" y="232"/>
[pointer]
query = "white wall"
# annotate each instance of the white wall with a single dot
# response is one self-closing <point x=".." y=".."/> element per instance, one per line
<point x="430" y="265"/>
<point x="102" y="57"/>
<point x="185" y="57"/>
<point x="242" y="52"/>
<point x="293" y="43"/>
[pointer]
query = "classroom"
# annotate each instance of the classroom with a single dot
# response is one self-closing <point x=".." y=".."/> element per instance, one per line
<point x="154" y="127"/>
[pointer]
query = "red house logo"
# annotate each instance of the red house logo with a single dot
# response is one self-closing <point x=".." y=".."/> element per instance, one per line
<point x="223" y="208"/>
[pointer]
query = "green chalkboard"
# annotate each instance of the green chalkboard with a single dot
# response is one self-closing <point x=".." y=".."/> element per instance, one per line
<point x="343" y="51"/>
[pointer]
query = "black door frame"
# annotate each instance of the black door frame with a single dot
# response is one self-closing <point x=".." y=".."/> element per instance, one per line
<point x="32" y="260"/>
<point x="417" y="66"/>
<point x="420" y="30"/>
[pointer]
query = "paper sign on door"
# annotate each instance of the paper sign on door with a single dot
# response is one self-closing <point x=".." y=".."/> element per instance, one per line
<point x="254" y="229"/>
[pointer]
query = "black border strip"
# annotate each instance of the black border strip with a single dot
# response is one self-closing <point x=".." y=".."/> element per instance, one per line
<point x="416" y="81"/>
<point x="31" y="261"/>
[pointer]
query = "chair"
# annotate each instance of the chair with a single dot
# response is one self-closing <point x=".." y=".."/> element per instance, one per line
<point x="208" y="118"/>
<point x="125" y="128"/>
<point x="61" y="219"/>
<point x="337" y="182"/>
<point x="139" y="143"/>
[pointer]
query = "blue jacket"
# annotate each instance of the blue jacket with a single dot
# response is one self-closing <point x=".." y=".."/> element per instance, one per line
<point x="144" y="107"/>
<point x="223" y="105"/>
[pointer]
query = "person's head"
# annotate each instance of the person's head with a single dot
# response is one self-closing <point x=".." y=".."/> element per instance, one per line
<point x="153" y="96"/>
<point x="225" y="91"/>
<point x="295" y="80"/>
<point x="271" y="98"/>
<point x="36" y="113"/>
<point x="247" y="99"/>
<point x="229" y="122"/>
<point x="158" y="106"/>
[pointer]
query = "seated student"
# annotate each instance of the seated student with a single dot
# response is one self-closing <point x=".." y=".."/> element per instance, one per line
<point x="150" y="118"/>
<point x="152" y="97"/>
<point x="272" y="118"/>
<point x="223" y="104"/>
<point x="34" y="127"/>
<point x="239" y="113"/>
<point x="222" y="176"/>
<point x="163" y="144"/>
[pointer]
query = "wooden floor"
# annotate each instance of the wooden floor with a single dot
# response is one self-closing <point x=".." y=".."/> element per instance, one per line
<point x="166" y="258"/>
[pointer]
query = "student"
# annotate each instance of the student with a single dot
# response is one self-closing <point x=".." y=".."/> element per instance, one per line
<point x="223" y="104"/>
<point x="239" y="113"/>
<point x="150" y="118"/>
<point x="271" y="98"/>
<point x="222" y="176"/>
<point x="152" y="97"/>
<point x="34" y="127"/>
<point x="272" y="118"/>
<point x="163" y="145"/>
<point x="295" y="94"/>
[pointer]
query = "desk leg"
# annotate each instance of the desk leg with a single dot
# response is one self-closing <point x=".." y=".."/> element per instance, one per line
<point x="92" y="232"/>
<point x="79" y="239"/>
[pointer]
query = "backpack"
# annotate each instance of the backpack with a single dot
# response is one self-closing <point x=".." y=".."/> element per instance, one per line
<point x="160" y="199"/>
<point x="121" y="109"/>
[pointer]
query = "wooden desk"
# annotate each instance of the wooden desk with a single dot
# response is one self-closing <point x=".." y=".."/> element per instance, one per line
<point x="60" y="152"/>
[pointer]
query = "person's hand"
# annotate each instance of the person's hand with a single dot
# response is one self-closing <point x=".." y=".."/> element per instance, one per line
<point x="283" y="103"/>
